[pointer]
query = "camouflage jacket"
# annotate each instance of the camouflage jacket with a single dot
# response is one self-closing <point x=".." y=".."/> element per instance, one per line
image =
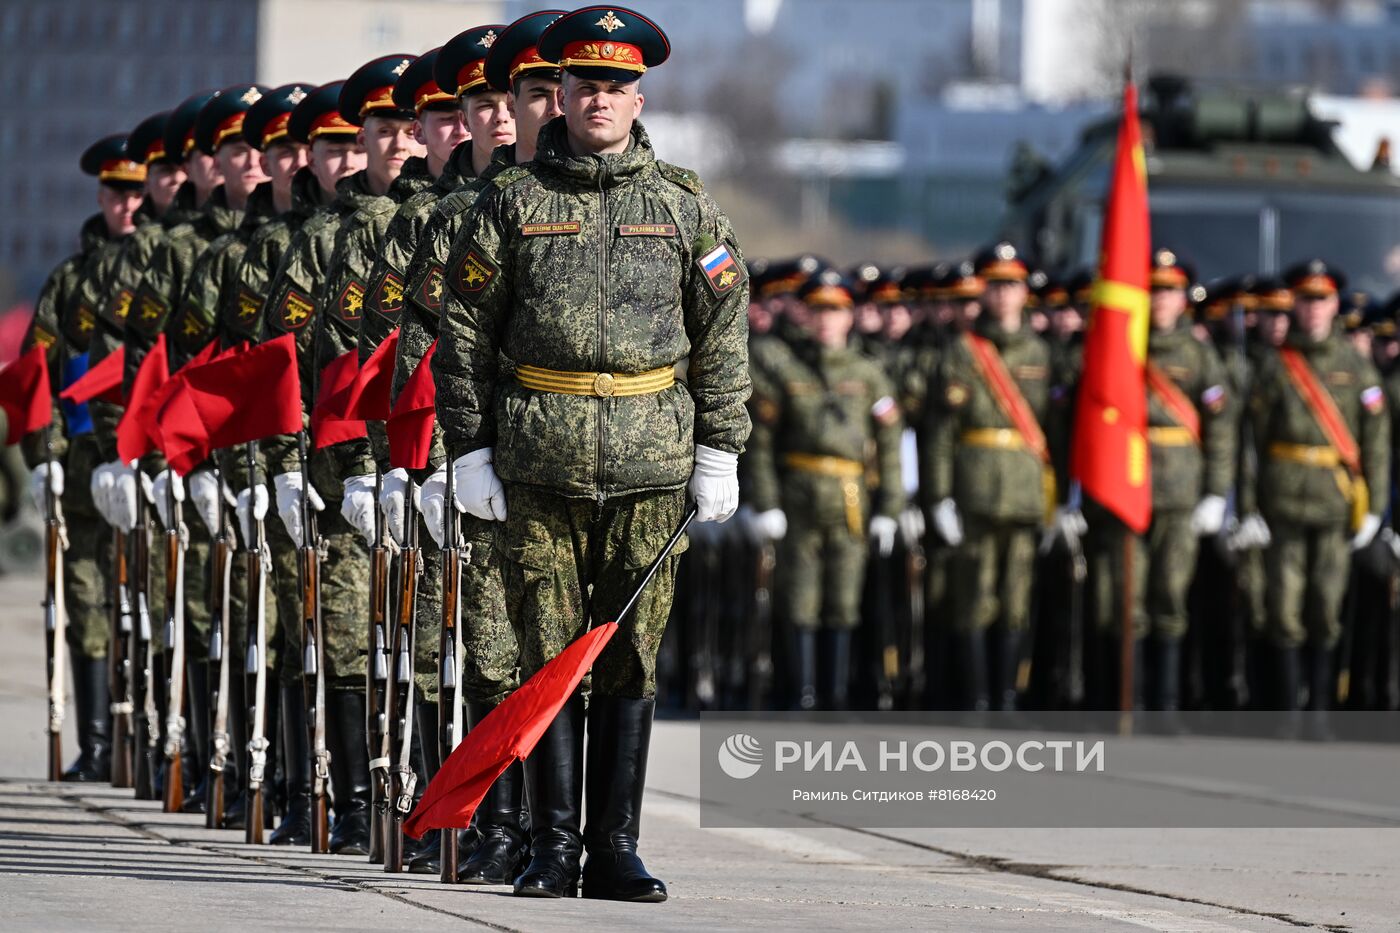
<point x="595" y="264"/>
<point x="352" y="263"/>
<point x="213" y="283"/>
<point x="1182" y="473"/>
<point x="427" y="293"/>
<point x="294" y="302"/>
<point x="996" y="483"/>
<point x="63" y="326"/>
<point x="1313" y="494"/>
<point x="826" y="403"/>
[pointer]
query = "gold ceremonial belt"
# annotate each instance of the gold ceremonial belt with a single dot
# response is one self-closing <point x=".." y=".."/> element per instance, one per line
<point x="1001" y="438"/>
<point x="602" y="385"/>
<point x="826" y="466"/>
<point x="1170" y="436"/>
<point x="1325" y="456"/>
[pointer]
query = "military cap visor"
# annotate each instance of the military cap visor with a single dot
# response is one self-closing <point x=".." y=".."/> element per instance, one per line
<point x="265" y="123"/>
<point x="461" y="65"/>
<point x="1000" y="263"/>
<point x="828" y="291"/>
<point x="108" y="161"/>
<point x="318" y="115"/>
<point x="1314" y="279"/>
<point x="515" y="53"/>
<point x="146" y="144"/>
<point x="417" y="90"/>
<point x="221" y="120"/>
<point x="369" y="92"/>
<point x="179" y="128"/>
<point x="608" y="43"/>
<point x="1169" y="271"/>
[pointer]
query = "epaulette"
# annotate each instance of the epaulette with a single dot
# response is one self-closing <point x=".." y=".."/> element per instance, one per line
<point x="509" y="176"/>
<point x="680" y="176"/>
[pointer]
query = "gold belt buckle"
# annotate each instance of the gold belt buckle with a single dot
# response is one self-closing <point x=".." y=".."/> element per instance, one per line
<point x="603" y="385"/>
<point x="1003" y="437"/>
<point x="1312" y="456"/>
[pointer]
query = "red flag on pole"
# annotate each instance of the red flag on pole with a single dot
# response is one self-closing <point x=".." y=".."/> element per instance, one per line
<point x="148" y="416"/>
<point x="134" y="437"/>
<point x="410" y="424"/>
<point x="330" y="420"/>
<point x="103" y="381"/>
<point x="369" y="395"/>
<point x="208" y="406"/>
<point x="25" y="394"/>
<point x="508" y="732"/>
<point x="1110" y="453"/>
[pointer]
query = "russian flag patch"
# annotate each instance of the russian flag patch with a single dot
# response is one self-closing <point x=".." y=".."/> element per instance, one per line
<point x="1374" y="399"/>
<point x="722" y="272"/>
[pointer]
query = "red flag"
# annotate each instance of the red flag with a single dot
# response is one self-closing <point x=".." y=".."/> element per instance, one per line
<point x="369" y="396"/>
<point x="209" y="406"/>
<point x="103" y="381"/>
<point x="1110" y="454"/>
<point x="330" y="421"/>
<point x="25" y="394"/>
<point x="508" y="732"/>
<point x="149" y="416"/>
<point x="410" y="425"/>
<point x="136" y="435"/>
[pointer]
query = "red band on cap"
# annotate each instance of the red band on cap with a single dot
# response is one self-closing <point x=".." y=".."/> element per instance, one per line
<point x="528" y="60"/>
<point x="1004" y="270"/>
<point x="603" y="55"/>
<point x="1168" y="277"/>
<point x="275" y="129"/>
<point x="428" y="94"/>
<point x="381" y="98"/>
<point x="331" y="122"/>
<point x="155" y="151"/>
<point x="121" y="170"/>
<point x="232" y="126"/>
<point x="472" y="74"/>
<point x="1316" y="284"/>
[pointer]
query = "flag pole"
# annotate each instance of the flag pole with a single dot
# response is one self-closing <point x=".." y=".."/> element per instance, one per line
<point x="1126" y="638"/>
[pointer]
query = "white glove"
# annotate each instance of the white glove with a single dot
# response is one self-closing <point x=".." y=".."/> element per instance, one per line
<point x="287" y="488"/>
<point x="882" y="532"/>
<point x="948" y="523"/>
<point x="205" y="489"/>
<point x="912" y="526"/>
<point x="1209" y="516"/>
<point x="479" y="491"/>
<point x="167" y="484"/>
<point x="430" y="501"/>
<point x="101" y="487"/>
<point x="252" y="506"/>
<point x="38" y="485"/>
<point x="121" y="497"/>
<point x="1253" y="532"/>
<point x="770" y="525"/>
<point x="714" y="484"/>
<point x="359" y="505"/>
<point x="1369" y="526"/>
<point x="393" y="487"/>
<point x="1067" y="525"/>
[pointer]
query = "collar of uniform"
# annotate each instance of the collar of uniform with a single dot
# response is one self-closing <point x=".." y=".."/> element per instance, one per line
<point x="1169" y="340"/>
<point x="413" y="178"/>
<point x="354" y="189"/>
<point x="984" y="326"/>
<point x="218" y="212"/>
<point x="593" y="171"/>
<point x="94" y="233"/>
<point x="1305" y="344"/>
<point x="182" y="207"/>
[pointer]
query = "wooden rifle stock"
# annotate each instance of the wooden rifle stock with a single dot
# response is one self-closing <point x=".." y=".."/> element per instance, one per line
<point x="175" y="655"/>
<point x="376" y="682"/>
<point x="119" y="663"/>
<point x="400" y="693"/>
<point x="449" y="702"/>
<point x="55" y="621"/>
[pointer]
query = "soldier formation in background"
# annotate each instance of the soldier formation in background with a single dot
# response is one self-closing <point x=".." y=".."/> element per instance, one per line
<point x="907" y="532"/>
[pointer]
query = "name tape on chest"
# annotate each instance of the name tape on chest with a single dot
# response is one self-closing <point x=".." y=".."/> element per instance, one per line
<point x="646" y="229"/>
<point x="553" y="228"/>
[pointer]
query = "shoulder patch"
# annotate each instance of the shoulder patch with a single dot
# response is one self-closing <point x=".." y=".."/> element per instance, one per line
<point x="472" y="273"/>
<point x="429" y="293"/>
<point x="86" y="319"/>
<point x="148" y="311"/>
<point x="295" y="310"/>
<point x="43" y="338"/>
<point x="249" y="305"/>
<point x="509" y="176"/>
<point x="885" y="411"/>
<point x="1213" y="399"/>
<point x="721" y="271"/>
<point x="351" y="301"/>
<point x="120" y="305"/>
<point x="388" y="297"/>
<point x="190" y="327"/>
<point x="680" y="176"/>
<point x="1373" y="397"/>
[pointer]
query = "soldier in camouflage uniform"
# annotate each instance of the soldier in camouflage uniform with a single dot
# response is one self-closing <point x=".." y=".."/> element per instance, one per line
<point x="595" y="268"/>
<point x="335" y="154"/>
<point x="988" y="469"/>
<point x="1322" y="437"/>
<point x="1191" y="433"/>
<point x="65" y="453"/>
<point x="811" y="434"/>
<point x="302" y="302"/>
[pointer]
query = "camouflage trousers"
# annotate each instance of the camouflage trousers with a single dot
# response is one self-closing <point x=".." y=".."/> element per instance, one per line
<point x="87" y="564"/>
<point x="1306" y="568"/>
<point x="989" y="574"/>
<point x="1250" y="578"/>
<point x="197" y="581"/>
<point x="820" y="573"/>
<point x="1164" y="562"/>
<point x="344" y="574"/>
<point x="569" y="563"/>
<point x="242" y="607"/>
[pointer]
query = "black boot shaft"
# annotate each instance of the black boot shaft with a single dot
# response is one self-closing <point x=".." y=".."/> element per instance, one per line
<point x="349" y="748"/>
<point x="554" y="785"/>
<point x="619" y="736"/>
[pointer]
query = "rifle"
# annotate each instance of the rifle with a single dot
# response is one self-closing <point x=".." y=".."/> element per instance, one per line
<point x="916" y="672"/>
<point x="146" y="719"/>
<point x="174" y="652"/>
<point x="313" y="658"/>
<point x="255" y="666"/>
<point x="55" y="616"/>
<point x="886" y="643"/>
<point x="1079" y="573"/>
<point x="119" y="663"/>
<point x="761" y="631"/>
<point x="377" y="681"/>
<point x="449" y="657"/>
<point x="219" y="630"/>
<point x="400" y="720"/>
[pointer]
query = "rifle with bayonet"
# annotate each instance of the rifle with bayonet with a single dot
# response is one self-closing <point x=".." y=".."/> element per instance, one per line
<point x="449" y="658"/>
<point x="55" y="616"/>
<point x="174" y="652"/>
<point x="377" y="681"/>
<point x="402" y="780"/>
<point x="313" y="659"/>
<point x="255" y="663"/>
<point x="220" y="744"/>
<point x="119" y="663"/>
<point x="146" y="716"/>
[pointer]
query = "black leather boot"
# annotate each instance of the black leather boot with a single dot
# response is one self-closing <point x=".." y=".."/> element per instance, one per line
<point x="619" y="734"/>
<point x="349" y="771"/>
<point x="554" y="785"/>
<point x="196" y="765"/>
<point x="1288" y="677"/>
<point x="93" y="705"/>
<point x="836" y="685"/>
<point x="1007" y="666"/>
<point x="973" y="646"/>
<point x="1168" y="677"/>
<point x="1321" y="688"/>
<point x="295" y="828"/>
<point x="424" y="856"/>
<point x="501" y="844"/>
<point x="236" y="766"/>
<point x="804" y="657"/>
